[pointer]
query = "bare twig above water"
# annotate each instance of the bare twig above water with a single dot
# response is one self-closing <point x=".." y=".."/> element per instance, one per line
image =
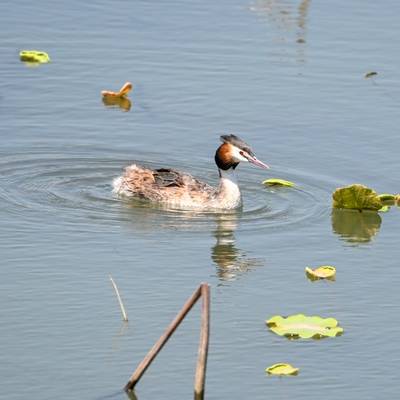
<point x="202" y="291"/>
<point x="141" y="369"/>
<point x="121" y="304"/>
<point x="200" y="376"/>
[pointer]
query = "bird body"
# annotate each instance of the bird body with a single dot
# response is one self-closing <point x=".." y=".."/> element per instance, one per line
<point x="176" y="189"/>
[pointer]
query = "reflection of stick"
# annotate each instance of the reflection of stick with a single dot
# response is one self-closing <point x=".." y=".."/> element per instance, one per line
<point x="200" y="376"/>
<point x="142" y="367"/>
<point x="124" y="316"/>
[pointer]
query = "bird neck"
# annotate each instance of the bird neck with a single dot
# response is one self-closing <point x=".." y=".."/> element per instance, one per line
<point x="228" y="189"/>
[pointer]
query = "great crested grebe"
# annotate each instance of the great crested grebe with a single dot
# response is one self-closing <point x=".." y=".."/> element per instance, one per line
<point x="180" y="190"/>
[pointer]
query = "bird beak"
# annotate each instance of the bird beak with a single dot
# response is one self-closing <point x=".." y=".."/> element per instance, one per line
<point x="256" y="161"/>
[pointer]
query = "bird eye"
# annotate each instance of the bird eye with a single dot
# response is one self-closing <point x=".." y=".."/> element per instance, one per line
<point x="241" y="153"/>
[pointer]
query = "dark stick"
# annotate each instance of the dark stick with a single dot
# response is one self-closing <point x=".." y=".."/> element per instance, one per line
<point x="200" y="376"/>
<point x="142" y="367"/>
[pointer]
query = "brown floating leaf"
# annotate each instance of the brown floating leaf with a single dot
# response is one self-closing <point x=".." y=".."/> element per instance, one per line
<point x="126" y="88"/>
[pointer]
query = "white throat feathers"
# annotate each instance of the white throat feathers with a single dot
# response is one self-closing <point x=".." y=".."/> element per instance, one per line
<point x="228" y="190"/>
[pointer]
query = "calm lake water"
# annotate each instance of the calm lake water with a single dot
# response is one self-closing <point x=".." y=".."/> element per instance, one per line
<point x="286" y="76"/>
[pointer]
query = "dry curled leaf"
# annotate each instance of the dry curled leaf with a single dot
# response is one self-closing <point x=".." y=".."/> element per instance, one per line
<point x="323" y="272"/>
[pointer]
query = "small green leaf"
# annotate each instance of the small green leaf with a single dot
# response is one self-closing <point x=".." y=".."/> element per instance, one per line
<point x="356" y="197"/>
<point x="278" y="182"/>
<point x="304" y="327"/>
<point x="384" y="209"/>
<point x="282" y="369"/>
<point x="34" y="56"/>
<point x="323" y="272"/>
<point x="387" y="197"/>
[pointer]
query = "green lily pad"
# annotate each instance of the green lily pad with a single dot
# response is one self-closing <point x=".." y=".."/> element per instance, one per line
<point x="324" y="272"/>
<point x="282" y="369"/>
<point x="384" y="208"/>
<point x="278" y="182"/>
<point x="34" y="56"/>
<point x="300" y="326"/>
<point x="357" y="197"/>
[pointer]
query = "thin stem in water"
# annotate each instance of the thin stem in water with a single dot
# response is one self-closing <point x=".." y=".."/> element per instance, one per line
<point x="121" y="304"/>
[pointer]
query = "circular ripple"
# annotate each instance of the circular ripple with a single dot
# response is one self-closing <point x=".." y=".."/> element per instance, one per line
<point x="79" y="190"/>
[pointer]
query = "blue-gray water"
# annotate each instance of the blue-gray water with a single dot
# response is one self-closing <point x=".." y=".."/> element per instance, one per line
<point x="288" y="77"/>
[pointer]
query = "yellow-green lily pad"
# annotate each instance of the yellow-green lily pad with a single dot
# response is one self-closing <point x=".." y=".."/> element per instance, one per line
<point x="278" y="182"/>
<point x="357" y="197"/>
<point x="385" y="208"/>
<point x="300" y="326"/>
<point x="34" y="56"/>
<point x="387" y="197"/>
<point x="323" y="272"/>
<point x="282" y="369"/>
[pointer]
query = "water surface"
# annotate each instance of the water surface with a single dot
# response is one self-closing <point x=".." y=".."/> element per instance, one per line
<point x="288" y="77"/>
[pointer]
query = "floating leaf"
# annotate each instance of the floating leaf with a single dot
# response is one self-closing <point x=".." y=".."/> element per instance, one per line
<point x="34" y="56"/>
<point x="122" y="93"/>
<point x="278" y="182"/>
<point x="323" y="272"/>
<point x="384" y="209"/>
<point x="282" y="369"/>
<point x="304" y="327"/>
<point x="358" y="197"/>
<point x="370" y="74"/>
<point x="388" y="199"/>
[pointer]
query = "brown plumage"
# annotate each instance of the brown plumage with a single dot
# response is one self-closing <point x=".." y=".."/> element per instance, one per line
<point x="164" y="185"/>
<point x="178" y="189"/>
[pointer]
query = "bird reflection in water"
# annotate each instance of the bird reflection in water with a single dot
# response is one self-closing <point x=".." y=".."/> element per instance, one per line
<point x="288" y="16"/>
<point x="231" y="262"/>
<point x="355" y="226"/>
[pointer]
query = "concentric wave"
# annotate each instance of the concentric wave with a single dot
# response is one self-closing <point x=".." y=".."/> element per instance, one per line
<point x="78" y="189"/>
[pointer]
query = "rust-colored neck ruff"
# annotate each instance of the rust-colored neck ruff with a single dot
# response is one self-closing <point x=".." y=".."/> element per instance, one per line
<point x="223" y="157"/>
